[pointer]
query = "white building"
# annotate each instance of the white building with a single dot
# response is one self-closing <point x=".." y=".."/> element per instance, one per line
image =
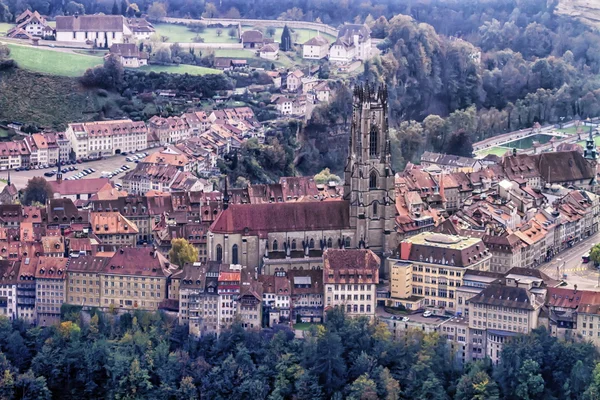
<point x="269" y="51"/>
<point x="129" y="55"/>
<point x="315" y="48"/>
<point x="101" y="30"/>
<point x="106" y="138"/>
<point x="284" y="105"/>
<point x="9" y="271"/>
<point x="353" y="43"/>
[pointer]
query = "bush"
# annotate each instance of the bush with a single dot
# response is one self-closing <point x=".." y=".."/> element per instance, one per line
<point x="102" y="93"/>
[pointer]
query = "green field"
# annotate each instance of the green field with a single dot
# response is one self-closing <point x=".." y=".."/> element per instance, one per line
<point x="180" y="69"/>
<point x="181" y="34"/>
<point x="298" y="35"/>
<point x="52" y="62"/>
<point x="234" y="53"/>
<point x="95" y="53"/>
<point x="596" y="140"/>
<point x="4" y="27"/>
<point x="571" y="130"/>
<point x="499" y="151"/>
<point x="304" y="326"/>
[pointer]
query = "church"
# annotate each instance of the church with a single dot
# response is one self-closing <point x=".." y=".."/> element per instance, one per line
<point x="282" y="236"/>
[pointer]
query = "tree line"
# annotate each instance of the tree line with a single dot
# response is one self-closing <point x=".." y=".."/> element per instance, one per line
<point x="147" y="356"/>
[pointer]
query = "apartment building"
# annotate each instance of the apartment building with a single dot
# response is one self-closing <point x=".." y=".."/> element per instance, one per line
<point x="83" y="280"/>
<point x="433" y="268"/>
<point x="502" y="311"/>
<point x="111" y="228"/>
<point x="26" y="290"/>
<point x="162" y="178"/>
<point x="199" y="299"/>
<point x="50" y="280"/>
<point x="250" y="304"/>
<point x="306" y="302"/>
<point x="277" y="293"/>
<point x="350" y="280"/>
<point x="135" y="278"/>
<point x="106" y="138"/>
<point x="169" y="130"/>
<point x="228" y="289"/>
<point x="9" y="276"/>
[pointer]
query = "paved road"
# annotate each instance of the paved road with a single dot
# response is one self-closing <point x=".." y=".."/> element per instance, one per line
<point x="585" y="276"/>
<point x="20" y="178"/>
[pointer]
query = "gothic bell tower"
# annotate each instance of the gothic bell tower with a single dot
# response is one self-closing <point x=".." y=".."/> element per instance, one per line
<point x="368" y="175"/>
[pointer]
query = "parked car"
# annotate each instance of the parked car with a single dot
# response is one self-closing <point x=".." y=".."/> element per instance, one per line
<point x="49" y="174"/>
<point x="427" y="313"/>
<point x="93" y="170"/>
<point x="405" y="319"/>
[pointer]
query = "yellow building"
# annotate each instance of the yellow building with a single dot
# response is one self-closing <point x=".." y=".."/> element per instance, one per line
<point x="431" y="267"/>
<point x="83" y="281"/>
<point x="135" y="278"/>
<point x="113" y="229"/>
<point x="50" y="284"/>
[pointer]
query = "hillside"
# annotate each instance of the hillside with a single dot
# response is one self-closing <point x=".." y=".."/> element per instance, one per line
<point x="587" y="11"/>
<point x="46" y="100"/>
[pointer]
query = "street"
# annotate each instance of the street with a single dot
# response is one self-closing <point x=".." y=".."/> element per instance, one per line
<point x="585" y="276"/>
<point x="20" y="178"/>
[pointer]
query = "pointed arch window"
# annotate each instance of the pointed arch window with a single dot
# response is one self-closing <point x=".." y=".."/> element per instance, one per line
<point x="219" y="253"/>
<point x="347" y="244"/>
<point x="311" y="244"/>
<point x="275" y="245"/>
<point x="234" y="254"/>
<point x="375" y="209"/>
<point x="329" y="243"/>
<point x="373" y="180"/>
<point x="293" y="244"/>
<point x="373" y="141"/>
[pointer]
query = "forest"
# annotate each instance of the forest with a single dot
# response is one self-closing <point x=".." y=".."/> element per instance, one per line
<point x="146" y="356"/>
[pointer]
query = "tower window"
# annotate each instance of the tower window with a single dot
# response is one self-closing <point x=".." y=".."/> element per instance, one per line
<point x="375" y="209"/>
<point x="373" y="136"/>
<point x="275" y="246"/>
<point x="311" y="244"/>
<point x="219" y="253"/>
<point x="294" y="244"/>
<point x="329" y="243"/>
<point x="373" y="180"/>
<point x="234" y="254"/>
<point x="347" y="242"/>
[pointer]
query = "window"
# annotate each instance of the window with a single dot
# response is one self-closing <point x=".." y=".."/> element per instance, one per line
<point x="347" y="242"/>
<point x="275" y="245"/>
<point x="373" y="180"/>
<point x="294" y="244"/>
<point x="329" y="243"/>
<point x="311" y="244"/>
<point x="375" y="209"/>
<point x="234" y="254"/>
<point x="219" y="253"/>
<point x="373" y="141"/>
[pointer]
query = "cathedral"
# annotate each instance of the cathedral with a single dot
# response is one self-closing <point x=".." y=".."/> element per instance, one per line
<point x="292" y="231"/>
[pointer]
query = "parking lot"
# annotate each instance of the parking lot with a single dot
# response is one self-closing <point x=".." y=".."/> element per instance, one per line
<point x="109" y="164"/>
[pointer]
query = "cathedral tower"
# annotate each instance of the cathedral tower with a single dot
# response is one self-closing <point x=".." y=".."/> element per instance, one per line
<point x="368" y="175"/>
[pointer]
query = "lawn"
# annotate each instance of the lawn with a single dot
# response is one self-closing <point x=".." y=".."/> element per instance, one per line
<point x="596" y="140"/>
<point x="181" y="34"/>
<point x="3" y="133"/>
<point x="302" y="34"/>
<point x="570" y="130"/>
<point x="52" y="62"/>
<point x="304" y="326"/>
<point x="4" y="27"/>
<point x="234" y="53"/>
<point x="95" y="53"/>
<point x="499" y="151"/>
<point x="180" y="69"/>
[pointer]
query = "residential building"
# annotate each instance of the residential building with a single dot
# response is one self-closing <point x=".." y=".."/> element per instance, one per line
<point x="294" y="80"/>
<point x="162" y="178"/>
<point x="269" y="51"/>
<point x="450" y="163"/>
<point x="106" y="138"/>
<point x="252" y="39"/>
<point x="83" y="280"/>
<point x="306" y="302"/>
<point x="199" y="299"/>
<point x="26" y="290"/>
<point x="350" y="280"/>
<point x="228" y="289"/>
<point x="587" y="326"/>
<point x="315" y="48"/>
<point x="111" y="228"/>
<point x="322" y="91"/>
<point x="9" y="277"/>
<point x="14" y="155"/>
<point x="277" y="293"/>
<point x="129" y="55"/>
<point x="169" y="130"/>
<point x="50" y="280"/>
<point x="141" y="28"/>
<point x="135" y="278"/>
<point x="171" y="155"/>
<point x="250" y="305"/>
<point x="434" y="267"/>
<point x="32" y="24"/>
<point x="81" y="189"/>
<point x="100" y="30"/>
<point x="197" y="121"/>
<point x="284" y="105"/>
<point x="353" y="42"/>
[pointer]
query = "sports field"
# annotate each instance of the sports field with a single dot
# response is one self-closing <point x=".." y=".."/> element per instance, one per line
<point x="52" y="62"/>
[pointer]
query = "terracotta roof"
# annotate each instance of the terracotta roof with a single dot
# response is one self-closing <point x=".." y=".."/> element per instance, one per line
<point x="90" y="23"/>
<point x="110" y="223"/>
<point x="563" y="298"/>
<point x="81" y="186"/>
<point x="504" y="296"/>
<point x="269" y="48"/>
<point x="443" y="249"/>
<point x="140" y="261"/>
<point x="9" y="271"/>
<point x="53" y="244"/>
<point x="350" y="266"/>
<point x="127" y="50"/>
<point x="260" y="219"/>
<point x="51" y="267"/>
<point x="316" y="41"/>
<point x="252" y="36"/>
<point x="306" y="281"/>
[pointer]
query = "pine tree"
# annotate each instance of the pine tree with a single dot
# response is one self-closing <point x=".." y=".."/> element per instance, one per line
<point x="286" y="39"/>
<point x="124" y="7"/>
<point x="115" y="8"/>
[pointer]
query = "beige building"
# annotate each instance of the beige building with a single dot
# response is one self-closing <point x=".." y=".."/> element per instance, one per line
<point x="135" y="278"/>
<point x="294" y="80"/>
<point x="106" y="138"/>
<point x="50" y="279"/>
<point x="502" y="311"/>
<point x="129" y="55"/>
<point x="315" y="48"/>
<point x="83" y="281"/>
<point x="198" y="298"/>
<point x="9" y="275"/>
<point x="112" y="228"/>
<point x="100" y="30"/>
<point x="350" y="280"/>
<point x="433" y="268"/>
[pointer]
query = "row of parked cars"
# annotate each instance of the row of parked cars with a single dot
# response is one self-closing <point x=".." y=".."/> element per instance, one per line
<point x="63" y="169"/>
<point x="135" y="157"/>
<point x="106" y="174"/>
<point x="81" y="174"/>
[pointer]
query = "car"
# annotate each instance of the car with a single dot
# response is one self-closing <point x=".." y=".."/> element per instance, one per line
<point x="124" y="153"/>
<point x="87" y="170"/>
<point x="129" y="159"/>
<point x="49" y="174"/>
<point x="427" y="314"/>
<point x="79" y="161"/>
<point x="118" y="185"/>
<point x="405" y="319"/>
<point x="137" y="161"/>
<point x="126" y="167"/>
<point x="93" y="170"/>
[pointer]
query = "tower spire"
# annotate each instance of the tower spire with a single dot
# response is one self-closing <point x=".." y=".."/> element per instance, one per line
<point x="590" y="152"/>
<point x="8" y="178"/>
<point x="226" y="195"/>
